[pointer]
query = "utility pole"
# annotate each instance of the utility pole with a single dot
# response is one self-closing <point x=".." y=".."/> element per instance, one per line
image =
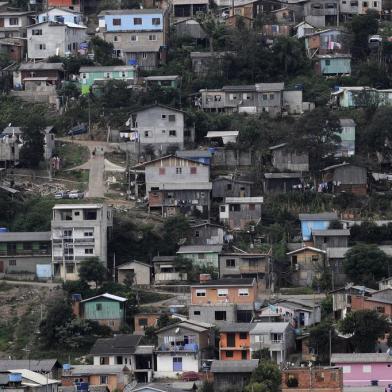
<point x="330" y="346"/>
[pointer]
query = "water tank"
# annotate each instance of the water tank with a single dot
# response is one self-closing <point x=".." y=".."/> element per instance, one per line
<point x="15" y="377"/>
<point x="4" y="230"/>
<point x="132" y="62"/>
<point x="66" y="366"/>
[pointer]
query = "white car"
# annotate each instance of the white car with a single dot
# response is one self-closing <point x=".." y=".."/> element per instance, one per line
<point x="76" y="195"/>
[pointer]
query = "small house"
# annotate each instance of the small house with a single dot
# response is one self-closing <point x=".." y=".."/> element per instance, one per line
<point x="56" y="14"/>
<point x="53" y="71"/>
<point x="182" y="347"/>
<point x="328" y="379"/>
<point x="346" y="147"/>
<point x="282" y="158"/>
<point x="223" y="300"/>
<point x="27" y="380"/>
<point x="184" y="9"/>
<point x="137" y="272"/>
<point x="333" y="64"/>
<point x="303" y="29"/>
<point x="360" y="369"/>
<point x="114" y="377"/>
<point x="229" y="186"/>
<point x="305" y="265"/>
<point x="344" y="177"/>
<point x="206" y="234"/>
<point x="50" y="367"/>
<point x="95" y="77"/>
<point x="128" y="350"/>
<point x="328" y="41"/>
<point x="336" y="257"/>
<point x="163" y="81"/>
<point x="168" y="269"/>
<point x="190" y="27"/>
<point x="207" y="255"/>
<point x="239" y="212"/>
<point x="208" y="62"/>
<point x="106" y="309"/>
<point x="232" y="375"/>
<point x="234" y="341"/>
<point x="330" y="238"/>
<point x="320" y="221"/>
<point x="282" y="182"/>
<point x="277" y="337"/>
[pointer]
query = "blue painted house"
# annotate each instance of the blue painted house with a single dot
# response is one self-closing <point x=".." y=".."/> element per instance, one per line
<point x="139" y="36"/>
<point x="333" y="64"/>
<point x="319" y="221"/>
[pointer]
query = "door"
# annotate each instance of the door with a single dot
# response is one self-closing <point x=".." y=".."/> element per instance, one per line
<point x="231" y="339"/>
<point x="1" y="22"/>
<point x="177" y="364"/>
<point x="1" y="266"/>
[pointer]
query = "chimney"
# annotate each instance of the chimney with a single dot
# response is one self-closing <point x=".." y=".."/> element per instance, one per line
<point x="203" y="278"/>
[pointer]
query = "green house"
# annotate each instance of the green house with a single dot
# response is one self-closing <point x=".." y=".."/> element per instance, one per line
<point x="94" y="77"/>
<point x="106" y="309"/>
<point x="207" y="255"/>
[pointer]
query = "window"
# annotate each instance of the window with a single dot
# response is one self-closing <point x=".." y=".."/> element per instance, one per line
<point x="229" y="187"/>
<point x="375" y="4"/>
<point x="177" y="364"/>
<point x="178" y="170"/>
<point x="244" y="355"/>
<point x="243" y="335"/>
<point x="162" y="171"/>
<point x="88" y="233"/>
<point x="146" y="133"/>
<point x="41" y="47"/>
<point x="152" y="37"/>
<point x="77" y="213"/>
<point x="134" y="38"/>
<point x="163" y="116"/>
<point x="347" y="369"/>
<point x="327" y="62"/>
<point x="367" y="368"/>
<point x="223" y="292"/>
<point x="103" y="379"/>
<point x="196" y="312"/>
<point x="144" y="55"/>
<point x="172" y="133"/>
<point x="365" y="4"/>
<point x="70" y="268"/>
<point x="193" y="170"/>
<point x="172" y="117"/>
<point x="36" y="32"/>
<point x="272" y="97"/>
<point x="243" y="292"/>
<point x="89" y="251"/>
<point x="137" y="21"/>
<point x="220" y="315"/>
<point x="380" y="309"/>
<point x="104" y="360"/>
<point x="265" y="97"/>
<point x="222" y="208"/>
<point x="12" y="262"/>
<point x="98" y="307"/>
<point x="230" y="263"/>
<point x="246" y="96"/>
<point x="315" y="258"/>
<point x="200" y="293"/>
<point x="90" y="215"/>
<point x="156" y="21"/>
<point x="142" y="322"/>
<point x="117" y="22"/>
<point x="115" y="38"/>
<point x="106" y="75"/>
<point x="229" y="354"/>
<point x="197" y="234"/>
<point x="14" y="21"/>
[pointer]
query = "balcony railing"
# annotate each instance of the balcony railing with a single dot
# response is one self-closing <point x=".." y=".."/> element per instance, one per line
<point x="190" y="347"/>
<point x="26" y="252"/>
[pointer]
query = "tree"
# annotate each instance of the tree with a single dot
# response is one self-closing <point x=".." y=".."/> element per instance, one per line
<point x="92" y="269"/>
<point x="365" y="326"/>
<point x="164" y="320"/>
<point x="59" y="312"/>
<point x="175" y="229"/>
<point x="103" y="52"/>
<point x="317" y="132"/>
<point x="266" y="377"/>
<point x="319" y="339"/>
<point x="32" y="151"/>
<point x="366" y="264"/>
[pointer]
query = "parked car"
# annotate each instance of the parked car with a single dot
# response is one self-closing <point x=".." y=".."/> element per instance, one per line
<point x="190" y="376"/>
<point x="77" y="130"/>
<point x="61" y="195"/>
<point x="76" y="194"/>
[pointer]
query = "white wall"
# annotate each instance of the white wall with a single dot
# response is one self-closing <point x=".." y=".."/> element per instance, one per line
<point x="165" y="364"/>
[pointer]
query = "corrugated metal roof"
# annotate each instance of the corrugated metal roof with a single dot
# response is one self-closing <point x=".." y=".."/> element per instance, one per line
<point x="234" y="366"/>
<point x="36" y="365"/>
<point x="337" y="253"/>
<point x="211" y="134"/>
<point x="84" y="370"/>
<point x="172" y="186"/>
<point x="328" y="216"/>
<point x="282" y="175"/>
<point x="76" y="206"/>
<point x="269" y="86"/>
<point x="114" y="68"/>
<point x="241" y="200"/>
<point x="25" y="236"/>
<point x="35" y="377"/>
<point x="194" y="154"/>
<point x="163" y="77"/>
<point x="361" y="358"/>
<point x="131" y="11"/>
<point x="126" y="266"/>
<point x="199" y="249"/>
<point x="331" y="232"/>
<point x="277" y="146"/>
<point x="340" y="165"/>
<point x="108" y="296"/>
<point x="225" y="282"/>
<point x="119" y="344"/>
<point x="41" y="66"/>
<point x="306" y="247"/>
<point x="239" y="88"/>
<point x="236" y="327"/>
<point x="164" y="259"/>
<point x="269" y="327"/>
<point x="347" y="122"/>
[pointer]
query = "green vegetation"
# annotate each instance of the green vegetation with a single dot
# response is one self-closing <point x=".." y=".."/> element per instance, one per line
<point x="72" y="154"/>
<point x="265" y="378"/>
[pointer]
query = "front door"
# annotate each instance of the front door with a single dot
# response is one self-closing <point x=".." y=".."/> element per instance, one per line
<point x="177" y="364"/>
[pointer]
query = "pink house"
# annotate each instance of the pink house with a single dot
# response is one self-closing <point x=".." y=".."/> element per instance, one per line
<point x="360" y="370"/>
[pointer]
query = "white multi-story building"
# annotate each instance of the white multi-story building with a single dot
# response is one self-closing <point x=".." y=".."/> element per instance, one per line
<point x="79" y="231"/>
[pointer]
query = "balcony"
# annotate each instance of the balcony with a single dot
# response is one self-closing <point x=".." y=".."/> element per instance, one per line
<point x="253" y="269"/>
<point x="83" y="241"/>
<point x="190" y="347"/>
<point x="26" y="252"/>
